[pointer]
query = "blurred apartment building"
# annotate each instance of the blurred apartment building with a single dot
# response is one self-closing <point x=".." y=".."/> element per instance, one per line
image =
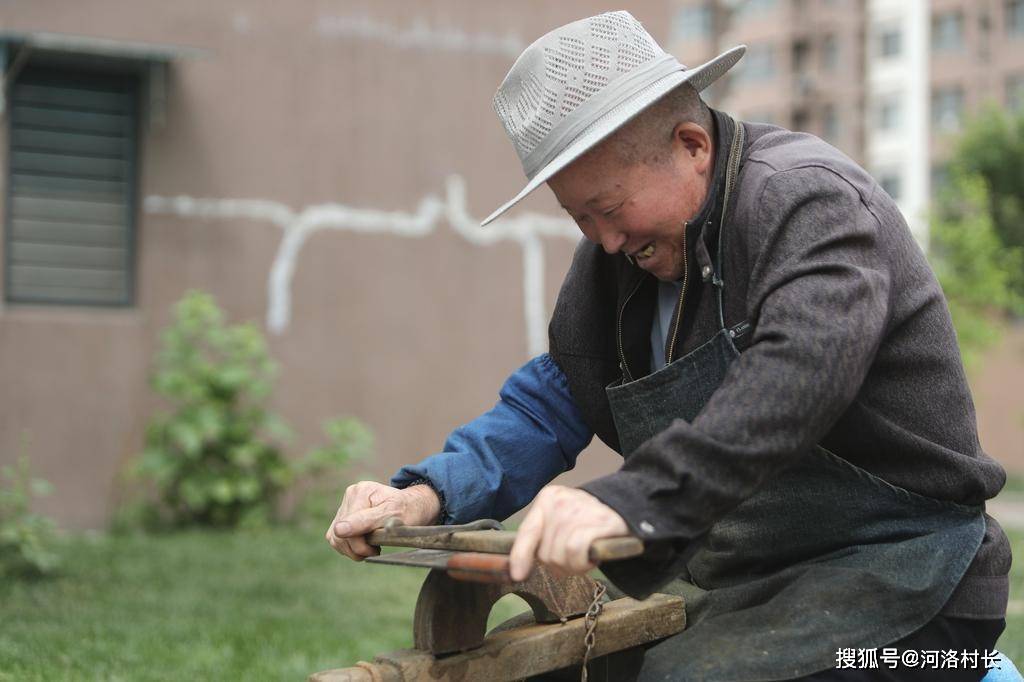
<point x="886" y="81"/>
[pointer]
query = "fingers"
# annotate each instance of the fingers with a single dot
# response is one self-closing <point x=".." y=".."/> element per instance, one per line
<point x="358" y="524"/>
<point x="567" y="545"/>
<point x="355" y="547"/>
<point x="560" y="528"/>
<point x="354" y="495"/>
<point x="364" y="508"/>
<point x="575" y="550"/>
<point x="524" y="548"/>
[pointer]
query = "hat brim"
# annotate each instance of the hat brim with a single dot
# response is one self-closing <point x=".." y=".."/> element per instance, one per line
<point x="699" y="77"/>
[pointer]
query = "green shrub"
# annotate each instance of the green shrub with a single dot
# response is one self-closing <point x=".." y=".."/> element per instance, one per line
<point x="26" y="539"/>
<point x="213" y="459"/>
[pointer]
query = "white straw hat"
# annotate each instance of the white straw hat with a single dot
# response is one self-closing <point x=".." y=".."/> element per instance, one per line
<point x="579" y="83"/>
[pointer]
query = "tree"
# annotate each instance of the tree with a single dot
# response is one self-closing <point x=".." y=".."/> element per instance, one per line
<point x="992" y="148"/>
<point x="974" y="267"/>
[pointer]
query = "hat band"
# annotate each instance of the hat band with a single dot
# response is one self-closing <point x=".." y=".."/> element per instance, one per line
<point x="579" y="119"/>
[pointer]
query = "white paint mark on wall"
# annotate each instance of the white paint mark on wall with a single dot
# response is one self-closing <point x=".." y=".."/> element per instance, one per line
<point x="526" y="228"/>
<point x="241" y="23"/>
<point x="419" y="35"/>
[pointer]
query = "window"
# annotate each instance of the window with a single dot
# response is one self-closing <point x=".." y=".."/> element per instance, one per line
<point x="71" y="150"/>
<point x="801" y="56"/>
<point x="889" y="43"/>
<point x="948" y="32"/>
<point x="947" y="108"/>
<point x="693" y="22"/>
<point x="759" y="64"/>
<point x="830" y="124"/>
<point x="1015" y="92"/>
<point x="1015" y="17"/>
<point x="830" y="53"/>
<point x="891" y="182"/>
<point x="801" y="120"/>
<point x="748" y="8"/>
<point x="888" y="113"/>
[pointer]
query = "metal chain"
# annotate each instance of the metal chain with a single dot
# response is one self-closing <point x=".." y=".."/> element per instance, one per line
<point x="591" y="624"/>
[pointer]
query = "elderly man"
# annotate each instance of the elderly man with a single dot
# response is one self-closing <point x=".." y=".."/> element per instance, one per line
<point x="751" y="325"/>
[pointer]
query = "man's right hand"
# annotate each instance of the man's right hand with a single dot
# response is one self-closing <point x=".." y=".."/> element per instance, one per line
<point x="367" y="505"/>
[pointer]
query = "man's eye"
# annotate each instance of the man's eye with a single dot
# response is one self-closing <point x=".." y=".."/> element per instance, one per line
<point x="611" y="210"/>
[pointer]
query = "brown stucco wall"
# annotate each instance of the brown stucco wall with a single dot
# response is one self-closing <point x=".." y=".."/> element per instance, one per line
<point x="412" y="335"/>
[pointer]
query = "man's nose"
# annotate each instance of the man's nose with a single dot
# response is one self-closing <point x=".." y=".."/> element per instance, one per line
<point x="612" y="240"/>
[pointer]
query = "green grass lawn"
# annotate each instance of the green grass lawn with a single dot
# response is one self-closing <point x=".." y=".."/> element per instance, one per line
<point x="267" y="605"/>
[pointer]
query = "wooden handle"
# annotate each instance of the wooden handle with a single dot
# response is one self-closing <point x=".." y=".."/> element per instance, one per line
<point x="500" y="542"/>
<point x="613" y="549"/>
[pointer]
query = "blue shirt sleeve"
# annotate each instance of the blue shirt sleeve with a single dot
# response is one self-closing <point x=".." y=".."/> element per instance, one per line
<point x="494" y="465"/>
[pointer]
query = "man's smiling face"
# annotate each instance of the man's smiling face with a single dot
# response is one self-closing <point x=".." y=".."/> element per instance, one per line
<point x="640" y="209"/>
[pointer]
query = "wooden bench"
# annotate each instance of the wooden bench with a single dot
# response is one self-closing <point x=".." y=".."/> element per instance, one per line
<point x="468" y="575"/>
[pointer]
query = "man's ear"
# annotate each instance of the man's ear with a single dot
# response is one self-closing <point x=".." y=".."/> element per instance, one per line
<point x="695" y="143"/>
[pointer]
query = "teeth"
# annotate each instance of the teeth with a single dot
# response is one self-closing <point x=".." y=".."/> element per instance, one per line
<point x="648" y="252"/>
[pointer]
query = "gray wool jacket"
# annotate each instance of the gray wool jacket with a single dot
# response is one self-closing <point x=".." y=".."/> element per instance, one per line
<point x="846" y="342"/>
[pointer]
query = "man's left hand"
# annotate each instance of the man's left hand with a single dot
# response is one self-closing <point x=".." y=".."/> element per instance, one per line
<point x="558" y="531"/>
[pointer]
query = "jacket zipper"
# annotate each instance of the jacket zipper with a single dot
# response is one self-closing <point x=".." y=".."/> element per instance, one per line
<point x="682" y="300"/>
<point x="618" y="337"/>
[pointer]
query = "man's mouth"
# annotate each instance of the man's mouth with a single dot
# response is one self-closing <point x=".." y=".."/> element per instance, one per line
<point x="644" y="253"/>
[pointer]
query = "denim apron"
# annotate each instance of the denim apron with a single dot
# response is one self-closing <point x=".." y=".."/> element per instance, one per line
<point x="824" y="556"/>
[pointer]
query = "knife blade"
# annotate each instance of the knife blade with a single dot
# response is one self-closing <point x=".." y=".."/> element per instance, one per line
<point x="469" y="566"/>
